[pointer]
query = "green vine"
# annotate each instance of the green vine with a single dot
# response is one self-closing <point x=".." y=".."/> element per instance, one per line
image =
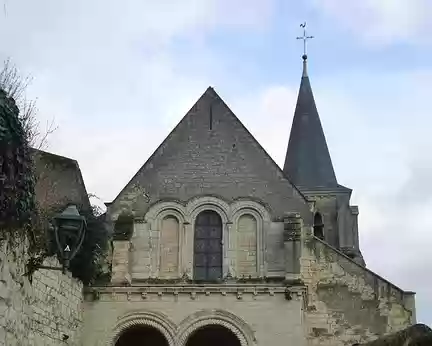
<point x="21" y="217"/>
<point x="17" y="182"/>
<point x="33" y="265"/>
<point x="90" y="263"/>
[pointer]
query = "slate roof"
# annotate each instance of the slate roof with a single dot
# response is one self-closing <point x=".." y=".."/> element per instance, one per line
<point x="308" y="163"/>
<point x="210" y="152"/>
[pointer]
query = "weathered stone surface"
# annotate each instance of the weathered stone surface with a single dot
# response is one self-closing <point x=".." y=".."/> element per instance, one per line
<point x="41" y="312"/>
<point x="169" y="247"/>
<point x="349" y="302"/>
<point x="58" y="181"/>
<point x="265" y="319"/>
<point x="197" y="160"/>
<point x="246" y="256"/>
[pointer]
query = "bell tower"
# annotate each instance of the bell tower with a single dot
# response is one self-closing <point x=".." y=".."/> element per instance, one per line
<point x="308" y="165"/>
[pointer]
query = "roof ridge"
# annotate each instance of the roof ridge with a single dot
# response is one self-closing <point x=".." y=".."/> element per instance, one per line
<point x="214" y="94"/>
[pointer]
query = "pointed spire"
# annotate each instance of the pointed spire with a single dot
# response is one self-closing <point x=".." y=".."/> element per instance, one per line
<point x="308" y="163"/>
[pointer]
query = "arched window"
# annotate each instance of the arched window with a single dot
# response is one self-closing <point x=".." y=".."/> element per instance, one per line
<point x="208" y="246"/>
<point x="246" y="245"/>
<point x="318" y="226"/>
<point x="169" y="247"/>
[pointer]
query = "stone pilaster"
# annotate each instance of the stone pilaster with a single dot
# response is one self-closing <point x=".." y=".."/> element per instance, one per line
<point x="351" y="247"/>
<point x="354" y="215"/>
<point x="140" y="252"/>
<point x="120" y="264"/>
<point x="292" y="244"/>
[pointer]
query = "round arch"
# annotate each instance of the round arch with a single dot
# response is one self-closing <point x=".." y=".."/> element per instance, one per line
<point x="259" y="240"/>
<point x="221" y="318"/>
<point x="162" y="207"/>
<point x="239" y="206"/>
<point x="213" y="335"/>
<point x="152" y="319"/>
<point x="197" y="205"/>
<point x="262" y="217"/>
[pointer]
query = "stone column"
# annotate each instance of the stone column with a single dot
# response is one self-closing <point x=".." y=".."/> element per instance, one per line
<point x="140" y="255"/>
<point x="355" y="235"/>
<point x="292" y="244"/>
<point x="343" y="227"/>
<point x="120" y="264"/>
<point x="409" y="304"/>
<point x="187" y="251"/>
<point x="349" y="241"/>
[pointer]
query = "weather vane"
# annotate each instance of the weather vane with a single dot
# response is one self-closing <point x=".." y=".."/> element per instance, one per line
<point x="305" y="38"/>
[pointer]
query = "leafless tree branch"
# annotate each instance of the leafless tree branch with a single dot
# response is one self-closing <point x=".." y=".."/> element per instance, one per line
<point x="15" y="86"/>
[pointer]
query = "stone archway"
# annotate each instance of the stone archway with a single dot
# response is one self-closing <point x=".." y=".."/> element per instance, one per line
<point x="204" y="324"/>
<point x="213" y="335"/>
<point x="141" y="335"/>
<point x="143" y="328"/>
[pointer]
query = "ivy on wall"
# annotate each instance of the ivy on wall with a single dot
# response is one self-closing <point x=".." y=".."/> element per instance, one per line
<point x="21" y="215"/>
<point x="88" y="265"/>
<point x="17" y="198"/>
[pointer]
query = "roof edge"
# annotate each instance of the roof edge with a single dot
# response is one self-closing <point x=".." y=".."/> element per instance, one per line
<point x="158" y="147"/>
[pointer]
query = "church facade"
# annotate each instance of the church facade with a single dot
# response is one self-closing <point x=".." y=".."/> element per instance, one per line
<point x="214" y="244"/>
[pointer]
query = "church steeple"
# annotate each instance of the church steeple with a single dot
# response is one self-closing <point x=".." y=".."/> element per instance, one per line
<point x="307" y="162"/>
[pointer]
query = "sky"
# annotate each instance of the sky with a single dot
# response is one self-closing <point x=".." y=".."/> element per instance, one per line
<point x="117" y="76"/>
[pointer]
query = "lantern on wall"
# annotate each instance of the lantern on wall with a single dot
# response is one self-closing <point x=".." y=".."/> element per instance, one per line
<point x="69" y="232"/>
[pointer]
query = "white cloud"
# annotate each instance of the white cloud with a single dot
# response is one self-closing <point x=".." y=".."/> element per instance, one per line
<point x="268" y="115"/>
<point x="378" y="141"/>
<point x="381" y="21"/>
<point x="107" y="72"/>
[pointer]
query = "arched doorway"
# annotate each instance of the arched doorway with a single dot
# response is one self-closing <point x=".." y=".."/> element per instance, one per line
<point x="141" y="335"/>
<point x="208" y="246"/>
<point x="213" y="335"/>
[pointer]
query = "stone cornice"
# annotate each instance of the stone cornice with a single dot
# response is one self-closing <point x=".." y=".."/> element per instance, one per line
<point x="239" y="290"/>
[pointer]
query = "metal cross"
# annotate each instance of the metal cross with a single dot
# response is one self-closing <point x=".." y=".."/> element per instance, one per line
<point x="304" y="37"/>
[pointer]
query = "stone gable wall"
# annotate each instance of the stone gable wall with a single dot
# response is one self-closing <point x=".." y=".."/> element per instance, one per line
<point x="347" y="303"/>
<point x="225" y="161"/>
<point x="39" y="313"/>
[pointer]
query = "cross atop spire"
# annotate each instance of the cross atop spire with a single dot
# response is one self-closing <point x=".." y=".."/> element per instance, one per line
<point x="308" y="163"/>
<point x="305" y="38"/>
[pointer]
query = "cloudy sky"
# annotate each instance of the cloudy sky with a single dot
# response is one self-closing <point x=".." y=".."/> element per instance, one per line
<point x="118" y="75"/>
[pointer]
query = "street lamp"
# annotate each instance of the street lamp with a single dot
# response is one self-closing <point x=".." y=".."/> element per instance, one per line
<point x="69" y="231"/>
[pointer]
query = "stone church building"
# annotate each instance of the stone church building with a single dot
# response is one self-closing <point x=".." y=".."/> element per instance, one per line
<point x="214" y="244"/>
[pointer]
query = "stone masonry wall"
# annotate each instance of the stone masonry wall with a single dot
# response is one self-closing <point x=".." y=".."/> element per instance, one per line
<point x="222" y="160"/>
<point x="347" y="303"/>
<point x="38" y="313"/>
<point x="255" y="249"/>
<point x="267" y="318"/>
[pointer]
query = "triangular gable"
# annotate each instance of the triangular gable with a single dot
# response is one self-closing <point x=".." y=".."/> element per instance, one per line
<point x="214" y="140"/>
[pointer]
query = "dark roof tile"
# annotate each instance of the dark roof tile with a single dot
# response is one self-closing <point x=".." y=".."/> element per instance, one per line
<point x="308" y="163"/>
